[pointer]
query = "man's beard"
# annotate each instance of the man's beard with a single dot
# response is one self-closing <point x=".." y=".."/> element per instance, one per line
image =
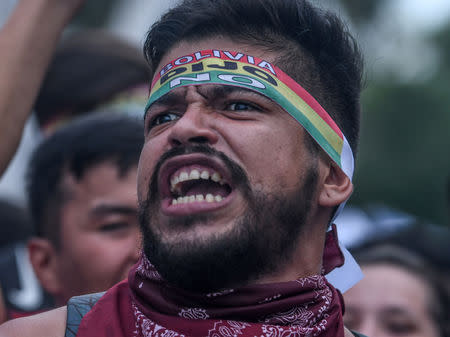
<point x="259" y="243"/>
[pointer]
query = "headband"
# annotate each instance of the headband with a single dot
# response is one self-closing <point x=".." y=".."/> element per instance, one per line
<point x="238" y="69"/>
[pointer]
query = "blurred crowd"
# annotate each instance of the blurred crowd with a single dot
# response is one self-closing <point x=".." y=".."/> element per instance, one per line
<point x="79" y="231"/>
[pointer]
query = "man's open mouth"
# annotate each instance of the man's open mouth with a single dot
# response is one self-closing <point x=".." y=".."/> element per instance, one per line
<point x="194" y="181"/>
<point x="198" y="184"/>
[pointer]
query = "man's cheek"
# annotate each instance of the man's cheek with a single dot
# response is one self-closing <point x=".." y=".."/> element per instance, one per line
<point x="143" y="180"/>
<point x="141" y="191"/>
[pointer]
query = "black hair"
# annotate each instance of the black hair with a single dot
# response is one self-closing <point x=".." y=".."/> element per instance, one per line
<point x="313" y="46"/>
<point x="16" y="223"/>
<point x="88" y="68"/>
<point x="73" y="150"/>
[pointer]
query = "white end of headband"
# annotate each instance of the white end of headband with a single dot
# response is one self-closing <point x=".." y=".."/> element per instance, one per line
<point x="345" y="277"/>
<point x="347" y="159"/>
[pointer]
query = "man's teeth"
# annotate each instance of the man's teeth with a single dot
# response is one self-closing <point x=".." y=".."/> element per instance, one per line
<point x="194" y="175"/>
<point x="216" y="177"/>
<point x="197" y="198"/>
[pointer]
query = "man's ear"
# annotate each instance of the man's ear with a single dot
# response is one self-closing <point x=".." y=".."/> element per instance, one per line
<point x="337" y="187"/>
<point x="44" y="259"/>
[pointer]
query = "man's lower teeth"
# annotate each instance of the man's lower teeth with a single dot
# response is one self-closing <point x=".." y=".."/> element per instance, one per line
<point x="197" y="198"/>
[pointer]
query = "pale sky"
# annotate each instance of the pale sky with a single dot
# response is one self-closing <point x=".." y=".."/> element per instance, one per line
<point x="426" y="14"/>
<point x="134" y="17"/>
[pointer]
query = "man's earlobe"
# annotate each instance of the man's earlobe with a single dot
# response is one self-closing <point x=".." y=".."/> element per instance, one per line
<point x="336" y="188"/>
<point x="43" y="258"/>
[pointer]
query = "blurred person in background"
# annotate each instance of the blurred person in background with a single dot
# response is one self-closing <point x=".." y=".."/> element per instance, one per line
<point x="21" y="291"/>
<point x="92" y="71"/>
<point x="26" y="50"/>
<point x="405" y="289"/>
<point x="15" y="224"/>
<point x="82" y="198"/>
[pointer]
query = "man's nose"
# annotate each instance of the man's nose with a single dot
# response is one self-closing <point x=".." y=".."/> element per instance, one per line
<point x="194" y="127"/>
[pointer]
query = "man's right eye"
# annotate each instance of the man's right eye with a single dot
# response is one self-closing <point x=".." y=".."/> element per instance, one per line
<point x="163" y="118"/>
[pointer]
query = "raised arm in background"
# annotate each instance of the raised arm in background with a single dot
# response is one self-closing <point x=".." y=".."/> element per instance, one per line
<point x="27" y="42"/>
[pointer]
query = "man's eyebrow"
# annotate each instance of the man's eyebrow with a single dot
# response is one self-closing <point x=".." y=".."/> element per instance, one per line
<point x="171" y="98"/>
<point x="106" y="209"/>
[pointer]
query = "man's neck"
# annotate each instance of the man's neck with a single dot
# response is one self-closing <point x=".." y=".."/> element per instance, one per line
<point x="306" y="260"/>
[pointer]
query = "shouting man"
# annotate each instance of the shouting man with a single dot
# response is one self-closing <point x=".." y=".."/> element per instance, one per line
<point x="250" y="131"/>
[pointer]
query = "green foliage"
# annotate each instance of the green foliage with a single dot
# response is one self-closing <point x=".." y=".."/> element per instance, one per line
<point x="404" y="157"/>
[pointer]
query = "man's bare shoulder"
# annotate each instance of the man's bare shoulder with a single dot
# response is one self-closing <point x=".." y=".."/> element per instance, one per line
<point x="47" y="324"/>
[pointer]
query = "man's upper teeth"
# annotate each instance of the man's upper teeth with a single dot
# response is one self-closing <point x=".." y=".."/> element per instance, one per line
<point x="204" y="174"/>
<point x="194" y="175"/>
<point x="216" y="177"/>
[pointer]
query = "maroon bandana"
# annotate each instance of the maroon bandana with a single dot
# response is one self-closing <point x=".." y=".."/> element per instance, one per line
<point x="147" y="306"/>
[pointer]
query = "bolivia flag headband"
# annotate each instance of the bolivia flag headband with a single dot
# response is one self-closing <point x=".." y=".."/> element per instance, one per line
<point x="237" y="69"/>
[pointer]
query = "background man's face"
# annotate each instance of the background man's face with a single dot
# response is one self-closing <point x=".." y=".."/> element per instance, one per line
<point x="261" y="180"/>
<point x="100" y="237"/>
<point x="390" y="301"/>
